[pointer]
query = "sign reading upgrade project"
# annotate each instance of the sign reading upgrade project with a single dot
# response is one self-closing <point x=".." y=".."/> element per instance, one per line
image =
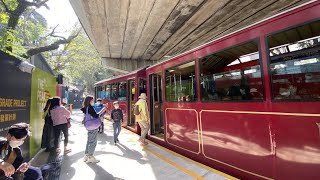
<point x="15" y="89"/>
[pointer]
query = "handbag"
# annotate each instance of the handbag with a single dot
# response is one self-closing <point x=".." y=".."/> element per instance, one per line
<point x="91" y="123"/>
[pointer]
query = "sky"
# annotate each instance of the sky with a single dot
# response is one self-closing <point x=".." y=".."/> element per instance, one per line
<point x="60" y="12"/>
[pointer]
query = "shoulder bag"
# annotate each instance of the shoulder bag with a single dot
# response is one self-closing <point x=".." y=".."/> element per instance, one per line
<point x="91" y="123"/>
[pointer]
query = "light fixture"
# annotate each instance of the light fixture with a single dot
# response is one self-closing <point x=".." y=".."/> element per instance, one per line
<point x="24" y="66"/>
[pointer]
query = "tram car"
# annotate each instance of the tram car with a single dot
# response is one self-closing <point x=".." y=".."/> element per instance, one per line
<point x="247" y="104"/>
<point x="126" y="90"/>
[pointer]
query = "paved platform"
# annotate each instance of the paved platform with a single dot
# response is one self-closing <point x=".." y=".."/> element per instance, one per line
<point x="127" y="160"/>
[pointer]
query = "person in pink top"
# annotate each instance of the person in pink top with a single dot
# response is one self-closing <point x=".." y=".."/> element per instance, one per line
<point x="60" y="116"/>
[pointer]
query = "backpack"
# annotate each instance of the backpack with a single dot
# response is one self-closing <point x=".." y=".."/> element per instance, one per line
<point x="136" y="110"/>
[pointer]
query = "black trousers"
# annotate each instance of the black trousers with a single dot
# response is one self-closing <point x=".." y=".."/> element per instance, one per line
<point x="57" y="130"/>
<point x="101" y="127"/>
<point x="47" y="135"/>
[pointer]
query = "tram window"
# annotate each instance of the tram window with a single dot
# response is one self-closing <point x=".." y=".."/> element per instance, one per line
<point x="142" y="86"/>
<point x="114" y="91"/>
<point x="181" y="83"/>
<point x="122" y="96"/>
<point x="108" y="91"/>
<point x="295" y="63"/>
<point x="133" y="89"/>
<point x="232" y="74"/>
<point x="100" y="92"/>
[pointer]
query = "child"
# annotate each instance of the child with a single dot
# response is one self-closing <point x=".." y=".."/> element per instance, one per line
<point x="117" y="118"/>
<point x="97" y="107"/>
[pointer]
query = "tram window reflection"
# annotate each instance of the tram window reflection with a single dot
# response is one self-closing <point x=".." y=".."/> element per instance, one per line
<point x="122" y="96"/>
<point x="232" y="74"/>
<point x="181" y="83"/>
<point x="295" y="63"/>
<point x="108" y="91"/>
<point x="100" y="92"/>
<point x="114" y="91"/>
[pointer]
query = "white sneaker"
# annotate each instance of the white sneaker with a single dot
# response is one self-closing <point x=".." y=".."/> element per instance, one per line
<point x="92" y="159"/>
<point x="86" y="157"/>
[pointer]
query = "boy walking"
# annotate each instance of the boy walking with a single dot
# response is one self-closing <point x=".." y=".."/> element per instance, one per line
<point x="117" y="118"/>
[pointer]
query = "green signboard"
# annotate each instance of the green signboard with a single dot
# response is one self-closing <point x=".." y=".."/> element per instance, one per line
<point x="43" y="86"/>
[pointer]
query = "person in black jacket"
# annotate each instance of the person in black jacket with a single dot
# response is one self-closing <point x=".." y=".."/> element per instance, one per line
<point x="47" y="133"/>
<point x="88" y="104"/>
<point x="116" y="117"/>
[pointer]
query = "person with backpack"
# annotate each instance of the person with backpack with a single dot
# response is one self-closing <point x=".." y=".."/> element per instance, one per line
<point x="116" y="118"/>
<point x="88" y="110"/>
<point x="98" y="106"/>
<point x="141" y="113"/>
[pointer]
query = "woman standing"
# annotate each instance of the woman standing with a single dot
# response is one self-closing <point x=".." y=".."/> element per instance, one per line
<point x="47" y="133"/>
<point x="87" y="107"/>
<point x="60" y="116"/>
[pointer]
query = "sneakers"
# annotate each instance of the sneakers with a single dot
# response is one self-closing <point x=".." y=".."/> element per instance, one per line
<point x="92" y="159"/>
<point x="86" y="157"/>
<point x="66" y="150"/>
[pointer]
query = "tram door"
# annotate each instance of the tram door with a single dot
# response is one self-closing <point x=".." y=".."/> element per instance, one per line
<point x="156" y="112"/>
<point x="131" y="102"/>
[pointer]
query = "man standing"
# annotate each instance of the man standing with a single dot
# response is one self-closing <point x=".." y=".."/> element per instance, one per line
<point x="142" y="117"/>
<point x="98" y="106"/>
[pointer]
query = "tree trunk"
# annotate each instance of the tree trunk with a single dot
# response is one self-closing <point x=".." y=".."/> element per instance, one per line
<point x="14" y="15"/>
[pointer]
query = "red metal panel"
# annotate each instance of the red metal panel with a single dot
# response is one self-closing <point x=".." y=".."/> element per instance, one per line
<point x="182" y="129"/>
<point x="298" y="140"/>
<point x="298" y="147"/>
<point x="59" y="90"/>
<point x="239" y="140"/>
<point x="124" y="107"/>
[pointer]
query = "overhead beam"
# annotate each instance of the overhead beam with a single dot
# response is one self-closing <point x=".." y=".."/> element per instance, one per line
<point x="124" y="65"/>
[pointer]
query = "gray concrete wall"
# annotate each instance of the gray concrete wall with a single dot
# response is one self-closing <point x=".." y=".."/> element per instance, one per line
<point x="124" y="65"/>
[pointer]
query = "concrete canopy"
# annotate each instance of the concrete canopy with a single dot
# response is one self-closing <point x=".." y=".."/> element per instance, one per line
<point x="129" y="34"/>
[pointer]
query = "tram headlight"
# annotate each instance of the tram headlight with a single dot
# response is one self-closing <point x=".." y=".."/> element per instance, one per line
<point x="26" y="67"/>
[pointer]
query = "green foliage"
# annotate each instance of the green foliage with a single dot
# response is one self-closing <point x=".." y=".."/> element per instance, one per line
<point x="77" y="60"/>
<point x="29" y="32"/>
<point x="80" y="62"/>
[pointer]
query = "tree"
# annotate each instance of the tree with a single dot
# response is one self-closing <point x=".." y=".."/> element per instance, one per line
<point x="22" y="14"/>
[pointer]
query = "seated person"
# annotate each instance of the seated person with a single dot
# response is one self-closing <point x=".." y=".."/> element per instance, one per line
<point x="245" y="92"/>
<point x="188" y="98"/>
<point x="11" y="161"/>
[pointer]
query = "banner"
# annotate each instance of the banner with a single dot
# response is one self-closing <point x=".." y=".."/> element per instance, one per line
<point x="15" y="87"/>
<point x="43" y="87"/>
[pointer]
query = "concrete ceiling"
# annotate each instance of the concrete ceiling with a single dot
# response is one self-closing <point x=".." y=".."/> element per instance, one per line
<point x="149" y="30"/>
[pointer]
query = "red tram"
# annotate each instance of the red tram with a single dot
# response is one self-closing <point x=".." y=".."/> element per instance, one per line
<point x="126" y="90"/>
<point x="248" y="103"/>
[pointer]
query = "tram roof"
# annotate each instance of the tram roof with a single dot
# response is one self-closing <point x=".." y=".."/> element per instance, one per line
<point x="120" y="76"/>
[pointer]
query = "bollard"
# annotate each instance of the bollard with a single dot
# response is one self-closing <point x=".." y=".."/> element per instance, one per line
<point x="70" y="107"/>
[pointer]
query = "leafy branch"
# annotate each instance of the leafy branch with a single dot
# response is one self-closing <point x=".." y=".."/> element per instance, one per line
<point x="53" y="46"/>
